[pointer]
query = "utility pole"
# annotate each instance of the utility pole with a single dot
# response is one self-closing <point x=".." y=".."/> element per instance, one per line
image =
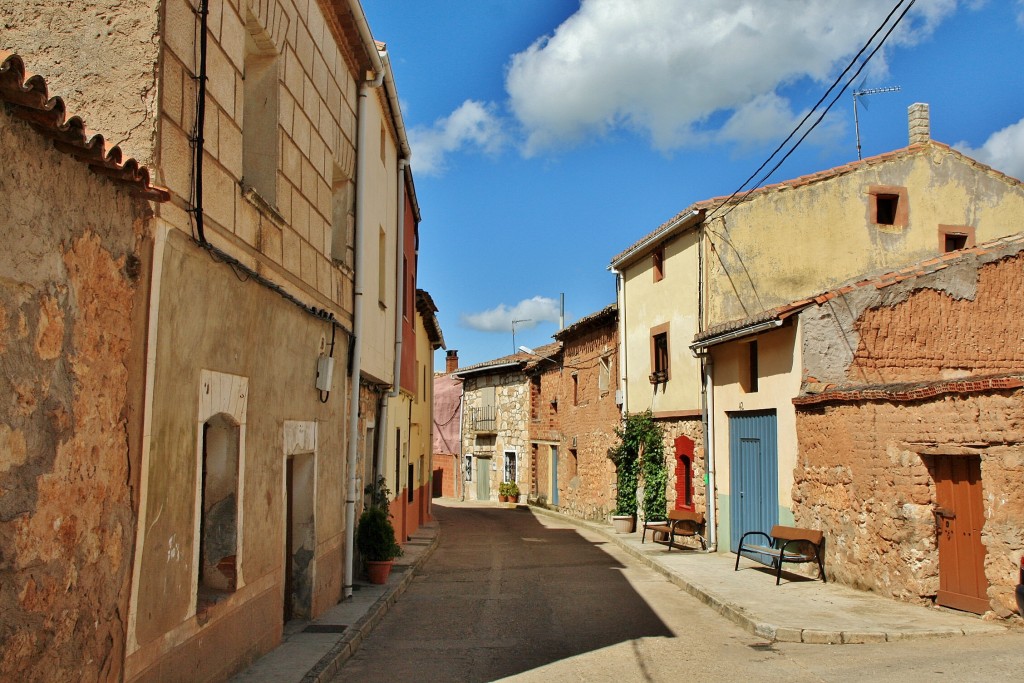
<point x="861" y="92"/>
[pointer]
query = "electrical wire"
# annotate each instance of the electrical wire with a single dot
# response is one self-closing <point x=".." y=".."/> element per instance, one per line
<point x="832" y="87"/>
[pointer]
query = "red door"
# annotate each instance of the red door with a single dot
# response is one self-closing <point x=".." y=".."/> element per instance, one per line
<point x="960" y="516"/>
<point x="684" y="473"/>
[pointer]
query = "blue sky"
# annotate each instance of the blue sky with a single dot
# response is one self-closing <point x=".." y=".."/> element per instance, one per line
<point x="549" y="135"/>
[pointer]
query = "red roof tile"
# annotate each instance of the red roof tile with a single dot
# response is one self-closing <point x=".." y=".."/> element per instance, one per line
<point x="30" y="102"/>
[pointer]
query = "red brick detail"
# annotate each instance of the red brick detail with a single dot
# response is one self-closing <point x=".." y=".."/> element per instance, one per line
<point x="919" y="393"/>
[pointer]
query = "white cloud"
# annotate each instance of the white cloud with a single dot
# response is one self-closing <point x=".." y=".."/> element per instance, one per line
<point x="1003" y="151"/>
<point x="530" y="312"/>
<point x="663" y="68"/>
<point x="473" y="125"/>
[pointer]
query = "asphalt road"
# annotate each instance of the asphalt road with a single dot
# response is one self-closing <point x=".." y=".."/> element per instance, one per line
<point x="511" y="595"/>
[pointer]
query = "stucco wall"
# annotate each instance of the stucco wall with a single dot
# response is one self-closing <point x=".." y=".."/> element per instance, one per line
<point x="71" y="330"/>
<point x="779" y="377"/>
<point x="648" y="304"/>
<point x="100" y="58"/>
<point x="208" y="319"/>
<point x="788" y="242"/>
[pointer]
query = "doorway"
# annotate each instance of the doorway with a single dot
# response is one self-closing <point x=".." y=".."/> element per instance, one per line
<point x="483" y="478"/>
<point x="753" y="475"/>
<point x="300" y="536"/>
<point x="959" y="517"/>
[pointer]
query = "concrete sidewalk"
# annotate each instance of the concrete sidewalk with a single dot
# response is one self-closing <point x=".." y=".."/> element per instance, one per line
<point x="801" y="610"/>
<point x="313" y="651"/>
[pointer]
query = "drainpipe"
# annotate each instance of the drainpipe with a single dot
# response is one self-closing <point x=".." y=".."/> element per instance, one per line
<point x="709" y="454"/>
<point x="362" y="151"/>
<point x="619" y="296"/>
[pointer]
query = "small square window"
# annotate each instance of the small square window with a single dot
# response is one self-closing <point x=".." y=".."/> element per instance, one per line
<point x="955" y="237"/>
<point x="885" y="208"/>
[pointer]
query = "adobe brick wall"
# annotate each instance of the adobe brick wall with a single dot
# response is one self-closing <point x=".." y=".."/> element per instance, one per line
<point x="944" y="333"/>
<point x="587" y="481"/>
<point x="862" y="479"/>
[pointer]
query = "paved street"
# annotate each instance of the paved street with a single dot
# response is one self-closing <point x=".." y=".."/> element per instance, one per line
<point x="512" y="595"/>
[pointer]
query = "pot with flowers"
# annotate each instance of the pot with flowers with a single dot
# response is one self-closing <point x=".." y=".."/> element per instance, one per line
<point x="375" y="535"/>
<point x="508" y="492"/>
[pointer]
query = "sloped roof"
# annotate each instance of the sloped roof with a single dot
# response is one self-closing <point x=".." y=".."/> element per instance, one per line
<point x="1003" y="246"/>
<point x="606" y="314"/>
<point x="516" y="361"/>
<point x="706" y="205"/>
<point x="427" y="309"/>
<point x="29" y="100"/>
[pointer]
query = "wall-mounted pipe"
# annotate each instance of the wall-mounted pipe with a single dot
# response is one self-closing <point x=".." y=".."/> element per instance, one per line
<point x="362" y="152"/>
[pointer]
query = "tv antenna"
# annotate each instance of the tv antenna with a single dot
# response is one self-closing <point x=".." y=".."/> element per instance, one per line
<point x="861" y="92"/>
<point x="524" y="320"/>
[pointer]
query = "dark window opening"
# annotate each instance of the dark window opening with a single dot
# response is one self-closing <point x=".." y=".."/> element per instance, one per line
<point x="660" y="342"/>
<point x="575" y="389"/>
<point x="885" y="208"/>
<point x="955" y="241"/>
<point x="658" y="264"/>
<point x="687" y="475"/>
<point x="218" y="512"/>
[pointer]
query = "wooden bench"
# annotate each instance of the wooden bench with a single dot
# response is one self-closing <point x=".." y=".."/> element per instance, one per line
<point x="679" y="523"/>
<point x="786" y="544"/>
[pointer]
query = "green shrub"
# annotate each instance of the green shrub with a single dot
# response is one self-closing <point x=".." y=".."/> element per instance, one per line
<point x="375" y="535"/>
<point x="640" y="452"/>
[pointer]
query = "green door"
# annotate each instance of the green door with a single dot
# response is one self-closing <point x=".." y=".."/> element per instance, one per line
<point x="483" y="478"/>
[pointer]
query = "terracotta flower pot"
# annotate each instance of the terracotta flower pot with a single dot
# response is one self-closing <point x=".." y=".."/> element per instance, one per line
<point x="379" y="570"/>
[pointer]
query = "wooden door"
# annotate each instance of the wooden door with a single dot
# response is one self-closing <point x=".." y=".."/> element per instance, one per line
<point x="959" y="517"/>
<point x="753" y="474"/>
<point x="483" y="478"/>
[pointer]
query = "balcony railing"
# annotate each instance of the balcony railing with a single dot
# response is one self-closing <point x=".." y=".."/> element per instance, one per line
<point x="485" y="419"/>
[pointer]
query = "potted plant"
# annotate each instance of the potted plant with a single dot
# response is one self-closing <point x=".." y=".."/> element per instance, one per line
<point x="375" y="535"/>
<point x="508" y="491"/>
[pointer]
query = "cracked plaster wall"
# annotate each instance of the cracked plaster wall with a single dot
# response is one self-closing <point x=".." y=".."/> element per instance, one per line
<point x="71" y="293"/>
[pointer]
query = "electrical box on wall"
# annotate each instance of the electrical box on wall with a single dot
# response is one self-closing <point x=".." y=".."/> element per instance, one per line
<point x="324" y="372"/>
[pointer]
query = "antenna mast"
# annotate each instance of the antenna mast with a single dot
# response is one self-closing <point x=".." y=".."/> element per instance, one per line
<point x="861" y="93"/>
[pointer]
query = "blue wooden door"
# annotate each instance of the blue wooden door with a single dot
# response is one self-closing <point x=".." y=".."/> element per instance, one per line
<point x="753" y="474"/>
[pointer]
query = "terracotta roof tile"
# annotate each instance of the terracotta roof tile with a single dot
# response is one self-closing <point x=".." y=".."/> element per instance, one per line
<point x="30" y="101"/>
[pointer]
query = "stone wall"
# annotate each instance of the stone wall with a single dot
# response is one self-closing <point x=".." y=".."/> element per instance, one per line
<point x="693" y="428"/>
<point x="862" y="479"/>
<point x="72" y="303"/>
<point x="511" y="432"/>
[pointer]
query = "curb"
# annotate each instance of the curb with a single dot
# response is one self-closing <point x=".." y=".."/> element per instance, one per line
<point x="741" y="616"/>
<point x="329" y="665"/>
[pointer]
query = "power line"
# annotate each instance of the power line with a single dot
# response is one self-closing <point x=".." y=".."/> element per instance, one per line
<point x="815" y="107"/>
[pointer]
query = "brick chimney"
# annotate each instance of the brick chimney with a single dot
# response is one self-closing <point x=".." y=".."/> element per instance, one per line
<point x="918" y="123"/>
<point x="451" y="362"/>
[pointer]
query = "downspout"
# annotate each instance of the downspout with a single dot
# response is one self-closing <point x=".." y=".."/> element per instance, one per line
<point x="707" y="404"/>
<point x="619" y="296"/>
<point x="362" y="151"/>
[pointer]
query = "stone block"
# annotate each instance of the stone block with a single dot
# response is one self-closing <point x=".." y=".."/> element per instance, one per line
<point x="816" y="637"/>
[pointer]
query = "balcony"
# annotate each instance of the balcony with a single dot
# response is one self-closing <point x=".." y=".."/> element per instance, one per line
<point x="485" y="420"/>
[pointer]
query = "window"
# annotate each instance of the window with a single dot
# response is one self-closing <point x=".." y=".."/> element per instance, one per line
<point x="604" y="375"/>
<point x="469" y="468"/>
<point x="260" y="145"/>
<point x="685" y="473"/>
<point x="888" y="205"/>
<point x="382" y="268"/>
<point x="658" y="264"/>
<point x="218" y="522"/>
<point x="343" y="223"/>
<point x="575" y="389"/>
<point x="510" y="466"/>
<point x="659" y="355"/>
<point x="954" y="237"/>
<point x="748" y="372"/>
<point x="885" y="211"/>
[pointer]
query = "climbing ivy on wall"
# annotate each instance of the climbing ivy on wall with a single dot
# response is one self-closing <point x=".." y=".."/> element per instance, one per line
<point x="640" y="452"/>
